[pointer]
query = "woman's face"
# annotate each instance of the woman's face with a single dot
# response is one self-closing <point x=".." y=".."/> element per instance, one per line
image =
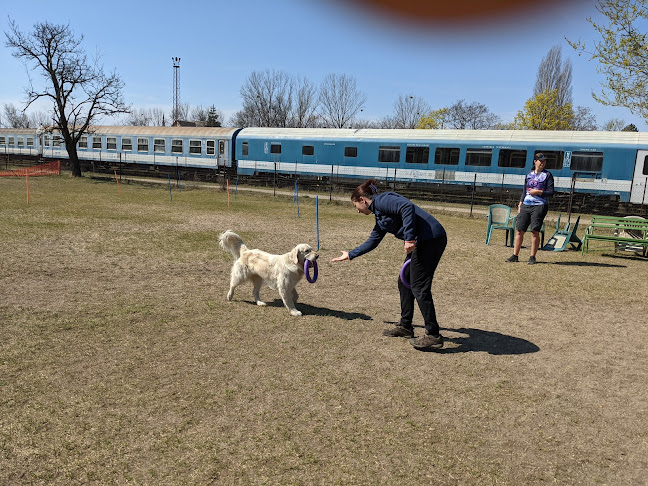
<point x="362" y="205"/>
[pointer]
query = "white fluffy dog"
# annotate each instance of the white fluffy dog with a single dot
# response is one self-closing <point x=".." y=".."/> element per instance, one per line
<point x="280" y="272"/>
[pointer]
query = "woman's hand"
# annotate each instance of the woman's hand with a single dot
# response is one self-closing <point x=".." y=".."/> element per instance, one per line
<point x="410" y="246"/>
<point x="342" y="257"/>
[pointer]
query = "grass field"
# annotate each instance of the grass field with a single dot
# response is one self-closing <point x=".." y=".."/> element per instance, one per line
<point x="122" y="362"/>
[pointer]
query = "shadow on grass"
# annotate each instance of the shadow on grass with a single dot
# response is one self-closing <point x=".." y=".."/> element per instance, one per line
<point x="311" y="310"/>
<point x="489" y="342"/>
<point x="589" y="264"/>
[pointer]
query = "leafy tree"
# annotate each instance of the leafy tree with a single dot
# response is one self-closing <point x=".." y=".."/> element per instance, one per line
<point x="79" y="89"/>
<point x="340" y="100"/>
<point x="214" y="117"/>
<point x="622" y="54"/>
<point x="630" y="128"/>
<point x="542" y="112"/>
<point x="435" y="119"/>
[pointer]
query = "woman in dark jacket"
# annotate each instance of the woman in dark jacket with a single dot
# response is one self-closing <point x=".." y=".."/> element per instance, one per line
<point x="424" y="242"/>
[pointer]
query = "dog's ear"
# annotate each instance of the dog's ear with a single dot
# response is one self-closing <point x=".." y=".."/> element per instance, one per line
<point x="294" y="255"/>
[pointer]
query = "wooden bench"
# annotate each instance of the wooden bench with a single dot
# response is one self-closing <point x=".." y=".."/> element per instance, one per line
<point x="628" y="231"/>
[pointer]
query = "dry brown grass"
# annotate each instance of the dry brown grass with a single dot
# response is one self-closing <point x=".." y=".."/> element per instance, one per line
<point x="122" y="362"/>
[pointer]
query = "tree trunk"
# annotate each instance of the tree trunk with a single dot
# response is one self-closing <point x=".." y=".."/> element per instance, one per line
<point x="74" y="159"/>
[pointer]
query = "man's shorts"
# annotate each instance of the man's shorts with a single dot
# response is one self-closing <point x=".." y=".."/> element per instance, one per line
<point x="531" y="217"/>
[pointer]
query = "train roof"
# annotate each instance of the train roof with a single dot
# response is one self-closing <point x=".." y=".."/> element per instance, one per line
<point x="140" y="130"/>
<point x="165" y="131"/>
<point x="494" y="136"/>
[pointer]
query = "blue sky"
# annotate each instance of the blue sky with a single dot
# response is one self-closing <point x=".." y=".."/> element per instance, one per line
<point x="490" y="61"/>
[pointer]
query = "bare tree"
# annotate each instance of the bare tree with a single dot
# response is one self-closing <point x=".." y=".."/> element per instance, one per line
<point x="145" y="117"/>
<point x="408" y="110"/>
<point x="553" y="73"/>
<point x="305" y="104"/>
<point x="79" y="90"/>
<point x="473" y="116"/>
<point x="614" y="125"/>
<point x="584" y="119"/>
<point x="267" y="99"/>
<point x="14" y="117"/>
<point x="340" y="100"/>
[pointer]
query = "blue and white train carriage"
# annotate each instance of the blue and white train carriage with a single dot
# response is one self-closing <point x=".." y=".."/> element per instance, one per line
<point x="601" y="163"/>
<point x="202" y="147"/>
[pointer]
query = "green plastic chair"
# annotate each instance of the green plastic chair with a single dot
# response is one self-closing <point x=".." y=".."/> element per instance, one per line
<point x="499" y="217"/>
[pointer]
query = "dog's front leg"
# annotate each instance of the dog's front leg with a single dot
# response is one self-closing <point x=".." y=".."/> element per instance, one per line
<point x="287" y="297"/>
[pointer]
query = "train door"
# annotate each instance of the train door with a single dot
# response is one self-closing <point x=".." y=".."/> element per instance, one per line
<point x="639" y="194"/>
<point x="222" y="154"/>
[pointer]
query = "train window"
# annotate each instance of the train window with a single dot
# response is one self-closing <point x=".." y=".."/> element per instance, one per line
<point x="195" y="147"/>
<point x="587" y="161"/>
<point x="479" y="157"/>
<point x="46" y="140"/>
<point x="350" y="151"/>
<point x="644" y="172"/>
<point x="21" y="141"/>
<point x="111" y="143"/>
<point x="12" y="141"/>
<point x="417" y="155"/>
<point x="389" y="153"/>
<point x="221" y="147"/>
<point x="96" y="142"/>
<point x="446" y="156"/>
<point x="3" y="141"/>
<point x="83" y="142"/>
<point x="176" y="145"/>
<point x="512" y="158"/>
<point x="30" y="141"/>
<point x="554" y="159"/>
<point x="57" y="141"/>
<point x="211" y="147"/>
<point x="308" y="150"/>
<point x="159" y="145"/>
<point x="127" y="144"/>
<point x="142" y="145"/>
<point x="244" y="148"/>
<point x="275" y="148"/>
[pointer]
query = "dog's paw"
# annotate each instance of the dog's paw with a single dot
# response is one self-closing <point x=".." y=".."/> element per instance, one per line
<point x="295" y="312"/>
<point x="260" y="302"/>
<point x="229" y="296"/>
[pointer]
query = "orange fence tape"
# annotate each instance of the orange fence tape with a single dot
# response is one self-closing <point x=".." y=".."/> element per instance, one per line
<point x="50" y="168"/>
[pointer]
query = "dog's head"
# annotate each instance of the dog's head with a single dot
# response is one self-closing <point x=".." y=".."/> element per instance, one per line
<point x="301" y="253"/>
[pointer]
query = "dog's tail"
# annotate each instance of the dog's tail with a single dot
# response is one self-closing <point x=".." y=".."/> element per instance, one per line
<point x="232" y="242"/>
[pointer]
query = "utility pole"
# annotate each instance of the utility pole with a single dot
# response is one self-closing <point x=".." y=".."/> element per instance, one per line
<point x="176" y="89"/>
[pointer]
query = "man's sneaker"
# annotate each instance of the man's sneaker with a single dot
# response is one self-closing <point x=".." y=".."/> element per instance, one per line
<point x="399" y="331"/>
<point x="427" y="341"/>
<point x="512" y="259"/>
<point x="532" y="260"/>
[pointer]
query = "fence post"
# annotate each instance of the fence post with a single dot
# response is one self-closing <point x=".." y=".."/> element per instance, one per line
<point x="472" y="196"/>
<point x="331" y="188"/>
<point x="502" y="187"/>
<point x="274" y="192"/>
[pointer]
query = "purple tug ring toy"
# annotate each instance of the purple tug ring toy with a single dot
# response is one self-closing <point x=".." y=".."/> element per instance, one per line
<point x="402" y="274"/>
<point x="307" y="265"/>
